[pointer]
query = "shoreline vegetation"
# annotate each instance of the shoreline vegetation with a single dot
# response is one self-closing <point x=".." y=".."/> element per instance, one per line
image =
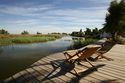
<point x="79" y="43"/>
<point x="19" y="39"/>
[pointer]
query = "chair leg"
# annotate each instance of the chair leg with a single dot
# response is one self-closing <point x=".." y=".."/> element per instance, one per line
<point x="109" y="59"/>
<point x="91" y="64"/>
<point x="102" y="56"/>
<point x="67" y="55"/>
<point x="55" y="66"/>
<point x="76" y="72"/>
<point x="96" y="58"/>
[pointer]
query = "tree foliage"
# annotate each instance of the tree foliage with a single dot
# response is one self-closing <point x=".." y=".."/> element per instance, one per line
<point x="25" y="33"/>
<point x="115" y="19"/>
<point x="88" y="33"/>
<point x="94" y="33"/>
<point x="2" y="31"/>
<point x="78" y="34"/>
<point x="38" y="33"/>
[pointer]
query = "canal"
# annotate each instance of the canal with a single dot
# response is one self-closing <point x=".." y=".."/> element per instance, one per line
<point x="14" y="58"/>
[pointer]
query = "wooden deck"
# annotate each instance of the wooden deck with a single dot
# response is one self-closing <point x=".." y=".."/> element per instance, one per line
<point x="43" y="70"/>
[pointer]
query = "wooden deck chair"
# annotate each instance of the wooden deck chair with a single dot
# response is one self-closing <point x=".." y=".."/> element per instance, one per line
<point x="82" y="55"/>
<point x="102" y="51"/>
<point x="100" y="56"/>
<point x="75" y="53"/>
<point x="98" y="52"/>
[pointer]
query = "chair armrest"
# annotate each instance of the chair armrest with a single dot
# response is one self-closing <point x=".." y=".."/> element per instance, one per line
<point x="102" y="52"/>
<point x="71" y="51"/>
<point x="67" y="55"/>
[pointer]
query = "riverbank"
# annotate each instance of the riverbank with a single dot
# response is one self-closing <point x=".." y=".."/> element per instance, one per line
<point x="17" y="39"/>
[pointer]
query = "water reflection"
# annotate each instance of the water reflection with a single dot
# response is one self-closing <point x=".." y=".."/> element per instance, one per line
<point x="1" y="50"/>
<point x="78" y="38"/>
<point x="77" y="42"/>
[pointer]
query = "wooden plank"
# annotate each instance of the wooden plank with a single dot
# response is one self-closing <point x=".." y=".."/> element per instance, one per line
<point x="122" y="73"/>
<point x="43" y="74"/>
<point x="45" y="69"/>
<point x="111" y="66"/>
<point x="35" y="64"/>
<point x="55" y="71"/>
<point x="34" y="74"/>
<point x="28" y="77"/>
<point x="9" y="80"/>
<point x="112" y="73"/>
<point x="18" y="78"/>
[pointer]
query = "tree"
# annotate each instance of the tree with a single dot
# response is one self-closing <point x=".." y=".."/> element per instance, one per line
<point x="80" y="34"/>
<point x="38" y="33"/>
<point x="88" y="32"/>
<point x="115" y="19"/>
<point x="77" y="34"/>
<point x="95" y="33"/>
<point x="25" y="33"/>
<point x="74" y="33"/>
<point x="2" y="31"/>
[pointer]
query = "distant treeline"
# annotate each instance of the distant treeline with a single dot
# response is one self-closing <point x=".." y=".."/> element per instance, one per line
<point x="88" y="33"/>
<point x="2" y="31"/>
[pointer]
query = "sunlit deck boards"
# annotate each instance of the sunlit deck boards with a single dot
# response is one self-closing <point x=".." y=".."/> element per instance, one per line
<point x="108" y="71"/>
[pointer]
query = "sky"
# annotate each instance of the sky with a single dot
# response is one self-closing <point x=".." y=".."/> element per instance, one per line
<point x="48" y="16"/>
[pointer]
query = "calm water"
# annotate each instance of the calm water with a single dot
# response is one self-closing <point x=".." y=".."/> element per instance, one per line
<point x="14" y="58"/>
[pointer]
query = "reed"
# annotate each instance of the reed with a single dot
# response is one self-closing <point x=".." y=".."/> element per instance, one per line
<point x="16" y="39"/>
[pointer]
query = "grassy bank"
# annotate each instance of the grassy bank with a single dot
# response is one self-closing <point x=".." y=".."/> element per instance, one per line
<point x="81" y="43"/>
<point x="16" y="39"/>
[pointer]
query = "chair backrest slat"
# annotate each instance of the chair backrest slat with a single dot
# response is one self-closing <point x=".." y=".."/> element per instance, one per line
<point x="78" y="53"/>
<point x="86" y="52"/>
<point x="89" y="52"/>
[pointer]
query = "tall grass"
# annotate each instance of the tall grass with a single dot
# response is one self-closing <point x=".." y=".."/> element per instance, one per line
<point x="31" y="39"/>
<point x="11" y="39"/>
<point x="48" y="35"/>
<point x="5" y="41"/>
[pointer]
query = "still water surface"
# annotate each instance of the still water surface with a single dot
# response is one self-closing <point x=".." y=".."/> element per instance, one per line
<point x="14" y="58"/>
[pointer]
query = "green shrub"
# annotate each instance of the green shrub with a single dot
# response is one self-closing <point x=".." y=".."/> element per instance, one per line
<point x="81" y="43"/>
